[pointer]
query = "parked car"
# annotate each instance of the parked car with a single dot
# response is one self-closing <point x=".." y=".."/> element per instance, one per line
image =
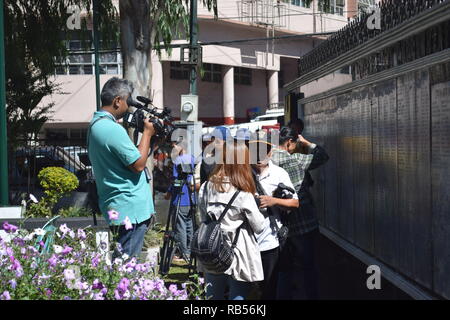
<point x="28" y="161"/>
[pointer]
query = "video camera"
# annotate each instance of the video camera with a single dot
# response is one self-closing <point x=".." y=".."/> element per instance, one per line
<point x="162" y="121"/>
<point x="184" y="170"/>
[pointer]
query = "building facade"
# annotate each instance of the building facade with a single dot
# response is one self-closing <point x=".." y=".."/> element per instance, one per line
<point x="237" y="78"/>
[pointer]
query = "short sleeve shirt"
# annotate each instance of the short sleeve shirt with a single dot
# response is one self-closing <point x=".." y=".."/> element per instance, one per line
<point x="269" y="180"/>
<point x="111" y="151"/>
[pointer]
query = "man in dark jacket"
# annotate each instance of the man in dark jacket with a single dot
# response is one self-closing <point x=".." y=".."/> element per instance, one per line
<point x="298" y="278"/>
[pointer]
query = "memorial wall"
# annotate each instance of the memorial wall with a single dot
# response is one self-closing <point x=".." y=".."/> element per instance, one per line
<point x="386" y="187"/>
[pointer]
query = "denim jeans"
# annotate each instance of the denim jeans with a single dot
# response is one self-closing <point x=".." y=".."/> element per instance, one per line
<point x="131" y="241"/>
<point x="183" y="230"/>
<point x="297" y="279"/>
<point x="217" y="283"/>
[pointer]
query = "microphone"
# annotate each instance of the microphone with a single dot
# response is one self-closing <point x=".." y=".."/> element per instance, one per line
<point x="132" y="103"/>
<point x="144" y="100"/>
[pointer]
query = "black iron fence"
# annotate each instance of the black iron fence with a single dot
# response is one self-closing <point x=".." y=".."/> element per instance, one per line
<point x="391" y="14"/>
<point x="27" y="161"/>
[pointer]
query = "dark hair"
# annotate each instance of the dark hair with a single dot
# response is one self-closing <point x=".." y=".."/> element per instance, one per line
<point x="115" y="87"/>
<point x="287" y="134"/>
<point x="298" y="125"/>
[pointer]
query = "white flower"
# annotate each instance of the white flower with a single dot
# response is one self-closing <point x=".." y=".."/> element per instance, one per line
<point x="72" y="234"/>
<point x="57" y="249"/>
<point x="29" y="236"/>
<point x="127" y="223"/>
<point x="63" y="228"/>
<point x="39" y="231"/>
<point x="33" y="198"/>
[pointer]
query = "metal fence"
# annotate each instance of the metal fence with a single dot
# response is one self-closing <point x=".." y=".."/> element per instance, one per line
<point x="26" y="161"/>
<point x="392" y="13"/>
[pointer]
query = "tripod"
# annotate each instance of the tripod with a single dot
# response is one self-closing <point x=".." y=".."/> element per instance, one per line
<point x="170" y="244"/>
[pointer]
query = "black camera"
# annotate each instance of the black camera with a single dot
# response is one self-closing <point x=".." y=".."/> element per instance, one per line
<point x="162" y="121"/>
<point x="283" y="192"/>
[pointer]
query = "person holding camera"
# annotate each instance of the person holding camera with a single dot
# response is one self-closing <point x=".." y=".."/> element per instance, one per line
<point x="182" y="195"/>
<point x="231" y="186"/>
<point x="124" y="196"/>
<point x="276" y="197"/>
<point x="298" y="276"/>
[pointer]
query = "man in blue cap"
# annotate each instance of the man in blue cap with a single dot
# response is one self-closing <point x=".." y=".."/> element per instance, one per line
<point x="244" y="134"/>
<point x="219" y="136"/>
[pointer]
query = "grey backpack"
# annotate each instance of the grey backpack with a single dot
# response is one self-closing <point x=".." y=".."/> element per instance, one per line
<point x="209" y="245"/>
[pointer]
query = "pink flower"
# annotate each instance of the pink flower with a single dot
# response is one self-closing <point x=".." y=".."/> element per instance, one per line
<point x="66" y="250"/>
<point x="5" y="296"/>
<point x="9" y="227"/>
<point x="81" y="234"/>
<point x="127" y="223"/>
<point x="113" y="215"/>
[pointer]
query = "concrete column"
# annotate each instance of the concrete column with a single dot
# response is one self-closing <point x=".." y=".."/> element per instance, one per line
<point x="157" y="81"/>
<point x="352" y="8"/>
<point x="228" y="94"/>
<point x="272" y="86"/>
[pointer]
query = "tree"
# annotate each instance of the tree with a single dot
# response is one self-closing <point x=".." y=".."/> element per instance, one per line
<point x="35" y="33"/>
<point x="144" y="24"/>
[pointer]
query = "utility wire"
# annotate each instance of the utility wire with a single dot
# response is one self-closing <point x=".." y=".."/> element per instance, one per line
<point x="178" y="45"/>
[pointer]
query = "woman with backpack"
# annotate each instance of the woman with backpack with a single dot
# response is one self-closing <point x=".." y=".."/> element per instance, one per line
<point x="227" y="199"/>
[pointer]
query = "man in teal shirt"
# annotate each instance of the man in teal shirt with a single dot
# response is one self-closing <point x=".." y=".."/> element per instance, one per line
<point x="125" y="199"/>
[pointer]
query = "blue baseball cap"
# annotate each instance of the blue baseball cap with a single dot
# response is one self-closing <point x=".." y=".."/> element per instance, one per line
<point x="243" y="134"/>
<point x="221" y="132"/>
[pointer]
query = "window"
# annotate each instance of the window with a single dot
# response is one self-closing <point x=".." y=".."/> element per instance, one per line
<point x="78" y="133"/>
<point x="300" y="3"/>
<point x="280" y="79"/>
<point x="243" y="76"/>
<point x="212" y="72"/>
<point x="336" y="7"/>
<point x="179" y="71"/>
<point x="109" y="69"/>
<point x="81" y="58"/>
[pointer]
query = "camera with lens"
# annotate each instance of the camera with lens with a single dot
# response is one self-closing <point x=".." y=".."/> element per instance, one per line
<point x="283" y="192"/>
<point x="184" y="170"/>
<point x="161" y="120"/>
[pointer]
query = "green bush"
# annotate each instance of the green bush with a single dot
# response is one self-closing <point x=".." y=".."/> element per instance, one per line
<point x="75" y="212"/>
<point x="56" y="182"/>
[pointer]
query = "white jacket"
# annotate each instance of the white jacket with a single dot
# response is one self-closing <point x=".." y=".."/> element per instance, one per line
<point x="247" y="265"/>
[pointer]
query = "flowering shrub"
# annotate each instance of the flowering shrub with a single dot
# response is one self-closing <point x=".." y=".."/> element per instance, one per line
<point x="75" y="269"/>
<point x="56" y="182"/>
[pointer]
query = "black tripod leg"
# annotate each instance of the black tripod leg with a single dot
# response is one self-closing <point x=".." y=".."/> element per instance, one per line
<point x="170" y="242"/>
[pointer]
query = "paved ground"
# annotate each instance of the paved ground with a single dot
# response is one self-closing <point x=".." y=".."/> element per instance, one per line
<point x="344" y="277"/>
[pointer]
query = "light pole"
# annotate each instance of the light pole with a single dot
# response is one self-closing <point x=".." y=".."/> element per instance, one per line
<point x="4" y="190"/>
<point x="193" y="41"/>
<point x="96" y="57"/>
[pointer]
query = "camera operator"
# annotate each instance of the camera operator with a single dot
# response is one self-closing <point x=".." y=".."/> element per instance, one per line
<point x="184" y="228"/>
<point x="268" y="177"/>
<point x="298" y="277"/>
<point x="118" y="166"/>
